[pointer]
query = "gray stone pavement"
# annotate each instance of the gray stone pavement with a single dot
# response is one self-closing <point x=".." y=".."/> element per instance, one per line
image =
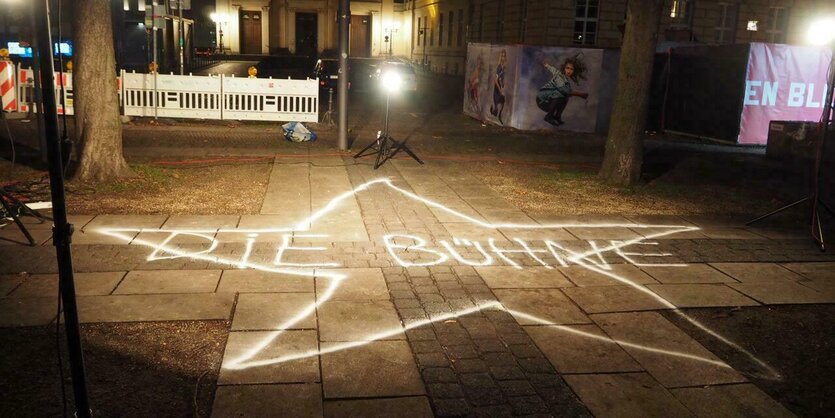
<point x="418" y="291"/>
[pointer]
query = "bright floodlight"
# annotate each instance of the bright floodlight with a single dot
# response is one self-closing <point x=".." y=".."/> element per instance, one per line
<point x="392" y="81"/>
<point x="218" y="17"/>
<point x="821" y="32"/>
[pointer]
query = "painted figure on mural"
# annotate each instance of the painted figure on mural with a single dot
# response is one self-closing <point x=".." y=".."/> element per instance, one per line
<point x="553" y="97"/>
<point x="499" y="96"/>
<point x="473" y="85"/>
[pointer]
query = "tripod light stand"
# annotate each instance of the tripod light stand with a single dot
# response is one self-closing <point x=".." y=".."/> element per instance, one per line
<point x="385" y="146"/>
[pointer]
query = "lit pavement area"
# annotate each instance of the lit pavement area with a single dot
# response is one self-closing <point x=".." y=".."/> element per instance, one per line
<point x="418" y="291"/>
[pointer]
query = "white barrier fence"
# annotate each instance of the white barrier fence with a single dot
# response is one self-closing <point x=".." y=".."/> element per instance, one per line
<point x="195" y="97"/>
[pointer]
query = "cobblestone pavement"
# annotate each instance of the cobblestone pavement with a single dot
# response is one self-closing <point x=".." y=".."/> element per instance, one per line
<point x="422" y="292"/>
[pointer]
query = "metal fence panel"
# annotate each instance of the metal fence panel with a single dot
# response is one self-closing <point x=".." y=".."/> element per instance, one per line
<point x="270" y="99"/>
<point x="175" y="96"/>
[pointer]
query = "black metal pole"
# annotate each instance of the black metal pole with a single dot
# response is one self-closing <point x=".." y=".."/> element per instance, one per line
<point x="344" y="16"/>
<point x="62" y="230"/>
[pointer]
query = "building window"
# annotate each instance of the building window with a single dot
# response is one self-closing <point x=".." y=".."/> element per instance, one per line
<point x="585" y="22"/>
<point x="778" y="22"/>
<point x="441" y="30"/>
<point x="449" y="29"/>
<point x="419" y="30"/>
<point x="726" y="24"/>
<point x="681" y="14"/>
<point x="460" y="26"/>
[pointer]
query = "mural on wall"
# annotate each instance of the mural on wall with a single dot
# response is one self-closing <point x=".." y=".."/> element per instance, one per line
<point x="490" y="83"/>
<point x="533" y="87"/>
<point x="558" y="88"/>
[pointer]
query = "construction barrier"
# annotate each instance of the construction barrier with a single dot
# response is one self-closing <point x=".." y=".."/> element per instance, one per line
<point x="7" y="86"/>
<point x="181" y="96"/>
<point x="270" y="99"/>
<point x="172" y="96"/>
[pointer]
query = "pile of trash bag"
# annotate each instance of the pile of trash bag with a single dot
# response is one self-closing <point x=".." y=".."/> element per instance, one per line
<point x="296" y="132"/>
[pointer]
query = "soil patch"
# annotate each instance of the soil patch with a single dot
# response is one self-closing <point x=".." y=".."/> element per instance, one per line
<point x="805" y="359"/>
<point x="133" y="369"/>
<point x="214" y="188"/>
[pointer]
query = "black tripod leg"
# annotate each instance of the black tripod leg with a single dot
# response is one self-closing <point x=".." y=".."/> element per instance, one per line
<point x="827" y="207"/>
<point x="774" y="212"/>
<point x="17" y="221"/>
<point x="383" y="152"/>
<point x="411" y="154"/>
<point x="367" y="147"/>
<point x="819" y="237"/>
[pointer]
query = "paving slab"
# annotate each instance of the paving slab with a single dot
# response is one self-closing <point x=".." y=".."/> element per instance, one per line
<point x="664" y="340"/>
<point x="11" y="235"/>
<point x="357" y="284"/>
<point x="507" y="277"/>
<point x="774" y="293"/>
<point x="537" y="235"/>
<point x="259" y="281"/>
<point x="815" y="271"/>
<point x="176" y="307"/>
<point x="549" y="305"/>
<point x="274" y="311"/>
<point x="86" y="284"/>
<point x="729" y="233"/>
<point x="94" y="236"/>
<point x="758" y="272"/>
<point x="582" y="276"/>
<point x="408" y="407"/>
<point x="701" y="295"/>
<point x="125" y="222"/>
<point x="8" y="282"/>
<point x="375" y="369"/>
<point x="173" y="237"/>
<point x="266" y="222"/>
<point x="692" y="273"/>
<point x="279" y="401"/>
<point x="168" y="281"/>
<point x="603" y="233"/>
<point x="341" y="320"/>
<point x="27" y="312"/>
<point x="472" y="232"/>
<point x="597" y="299"/>
<point x="625" y="395"/>
<point x="272" y="349"/>
<point x="730" y="401"/>
<point x="188" y="222"/>
<point x="574" y="349"/>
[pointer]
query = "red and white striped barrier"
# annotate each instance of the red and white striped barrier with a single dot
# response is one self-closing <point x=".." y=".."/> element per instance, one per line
<point x="7" y="86"/>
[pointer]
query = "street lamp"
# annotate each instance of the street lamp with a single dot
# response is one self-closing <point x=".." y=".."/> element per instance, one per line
<point x="391" y="28"/>
<point x="220" y="22"/>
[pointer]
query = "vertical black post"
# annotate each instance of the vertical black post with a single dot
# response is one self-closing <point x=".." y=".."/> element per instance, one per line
<point x="36" y="108"/>
<point x="62" y="230"/>
<point x="344" y="16"/>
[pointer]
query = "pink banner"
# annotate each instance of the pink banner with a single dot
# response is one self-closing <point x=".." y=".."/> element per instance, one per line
<point x="783" y="83"/>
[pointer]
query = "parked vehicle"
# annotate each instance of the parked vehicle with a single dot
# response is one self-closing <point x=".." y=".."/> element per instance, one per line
<point x="327" y="71"/>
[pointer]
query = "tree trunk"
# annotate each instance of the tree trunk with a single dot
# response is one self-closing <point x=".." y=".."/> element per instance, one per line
<point x="624" y="145"/>
<point x="96" y="104"/>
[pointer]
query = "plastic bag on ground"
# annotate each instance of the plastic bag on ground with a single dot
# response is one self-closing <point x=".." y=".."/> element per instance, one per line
<point x="296" y="132"/>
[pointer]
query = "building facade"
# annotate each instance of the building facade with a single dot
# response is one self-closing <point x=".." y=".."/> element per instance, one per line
<point x="435" y="33"/>
<point x="309" y="27"/>
<point x="442" y="28"/>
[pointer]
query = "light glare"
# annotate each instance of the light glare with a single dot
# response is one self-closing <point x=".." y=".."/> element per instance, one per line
<point x="821" y="32"/>
<point x="392" y="81"/>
